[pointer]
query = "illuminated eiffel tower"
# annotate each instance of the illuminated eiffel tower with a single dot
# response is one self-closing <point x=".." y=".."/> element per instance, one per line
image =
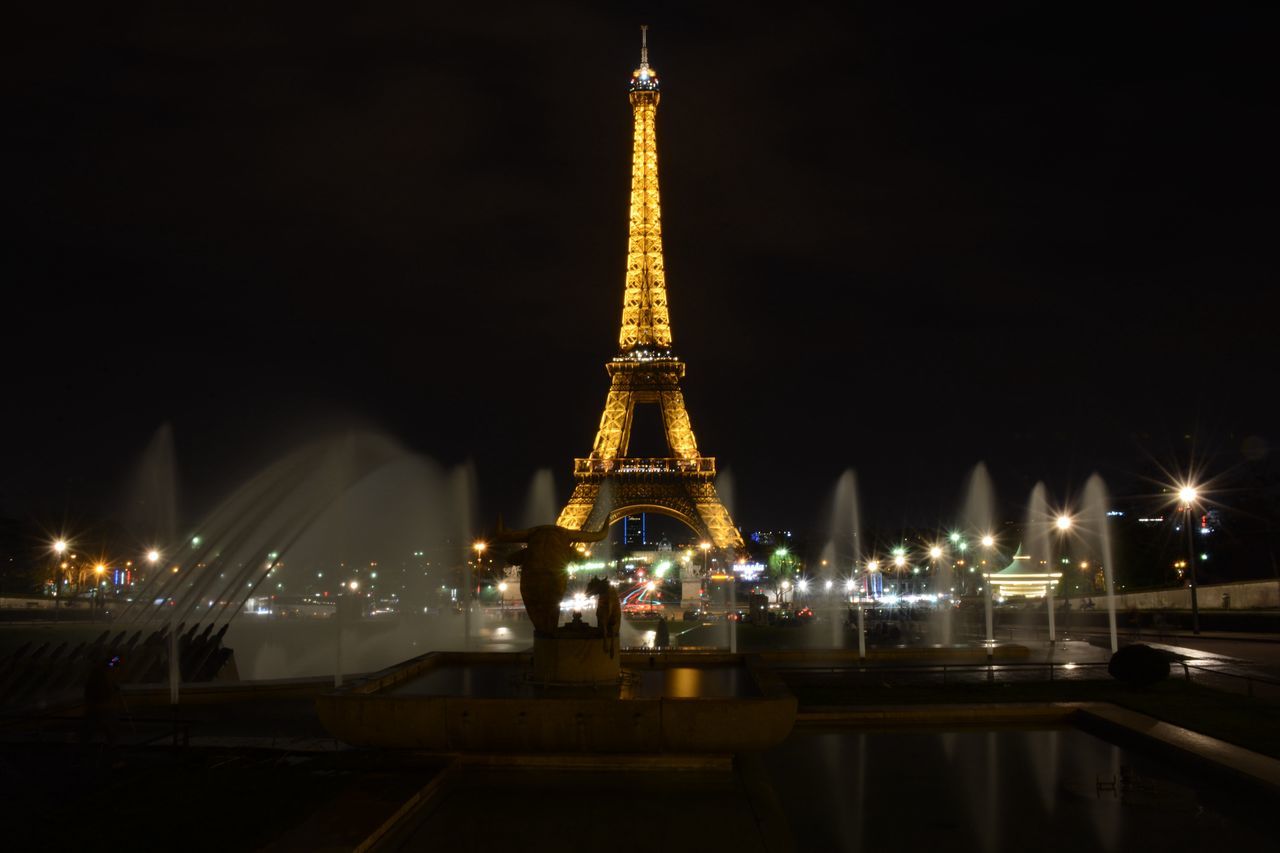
<point x="609" y="484"/>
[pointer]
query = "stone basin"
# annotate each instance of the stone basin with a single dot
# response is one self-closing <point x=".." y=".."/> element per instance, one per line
<point x="672" y="702"/>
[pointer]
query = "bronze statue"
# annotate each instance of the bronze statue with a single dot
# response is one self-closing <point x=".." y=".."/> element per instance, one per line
<point x="549" y="549"/>
<point x="608" y="612"/>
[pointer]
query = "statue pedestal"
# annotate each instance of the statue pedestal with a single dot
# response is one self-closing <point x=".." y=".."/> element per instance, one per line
<point x="577" y="660"/>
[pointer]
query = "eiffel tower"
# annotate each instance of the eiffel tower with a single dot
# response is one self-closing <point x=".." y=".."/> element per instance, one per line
<point x="609" y="484"/>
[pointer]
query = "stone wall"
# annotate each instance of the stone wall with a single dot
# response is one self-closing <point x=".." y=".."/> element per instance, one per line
<point x="1242" y="595"/>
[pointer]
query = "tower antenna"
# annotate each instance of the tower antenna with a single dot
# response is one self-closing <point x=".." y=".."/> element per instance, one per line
<point x="644" y="47"/>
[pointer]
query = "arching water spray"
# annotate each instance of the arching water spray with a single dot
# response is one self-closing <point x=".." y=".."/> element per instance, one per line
<point x="979" y="517"/>
<point x="845" y="543"/>
<point x="1039" y="522"/>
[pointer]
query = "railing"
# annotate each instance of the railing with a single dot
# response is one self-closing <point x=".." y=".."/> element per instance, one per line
<point x="1193" y="672"/>
<point x="1255" y="685"/>
<point x="646" y="465"/>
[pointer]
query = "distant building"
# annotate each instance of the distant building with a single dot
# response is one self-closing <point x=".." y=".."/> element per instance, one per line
<point x="771" y="537"/>
<point x="633" y="530"/>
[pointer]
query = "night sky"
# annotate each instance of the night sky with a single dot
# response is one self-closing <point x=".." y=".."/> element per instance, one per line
<point x="898" y="240"/>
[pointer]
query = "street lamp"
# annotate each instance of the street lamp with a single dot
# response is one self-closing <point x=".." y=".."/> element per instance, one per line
<point x="59" y="548"/>
<point x="988" y="543"/>
<point x="1063" y="523"/>
<point x="1188" y="495"/>
<point x="479" y="547"/>
<point x="98" y="570"/>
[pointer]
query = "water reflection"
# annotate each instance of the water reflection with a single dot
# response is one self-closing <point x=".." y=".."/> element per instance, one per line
<point x="851" y="790"/>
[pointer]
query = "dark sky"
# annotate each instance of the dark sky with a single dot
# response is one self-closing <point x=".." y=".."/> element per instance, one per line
<point x="898" y="240"/>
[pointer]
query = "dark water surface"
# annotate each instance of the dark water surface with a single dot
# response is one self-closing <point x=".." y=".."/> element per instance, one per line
<point x="513" y="681"/>
<point x="1007" y="789"/>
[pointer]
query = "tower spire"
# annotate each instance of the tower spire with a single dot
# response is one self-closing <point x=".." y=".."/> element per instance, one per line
<point x="645" y="322"/>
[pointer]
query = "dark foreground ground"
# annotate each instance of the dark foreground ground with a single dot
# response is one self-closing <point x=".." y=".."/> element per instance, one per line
<point x="262" y="774"/>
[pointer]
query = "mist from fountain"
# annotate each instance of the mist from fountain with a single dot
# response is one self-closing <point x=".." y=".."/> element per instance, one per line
<point x="725" y="489"/>
<point x="462" y="490"/>
<point x="1096" y="505"/>
<point x="540" y="505"/>
<point x="332" y="514"/>
<point x="843" y="549"/>
<point x="150" y="505"/>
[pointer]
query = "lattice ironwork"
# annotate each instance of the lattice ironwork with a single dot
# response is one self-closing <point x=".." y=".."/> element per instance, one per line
<point x="609" y="484"/>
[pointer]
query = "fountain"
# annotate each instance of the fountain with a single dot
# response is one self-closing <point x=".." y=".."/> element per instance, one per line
<point x="1095" y="510"/>
<point x="576" y="691"/>
<point x="979" y="516"/>
<point x="1039" y="521"/>
<point x="540" y="506"/>
<point x="844" y="545"/>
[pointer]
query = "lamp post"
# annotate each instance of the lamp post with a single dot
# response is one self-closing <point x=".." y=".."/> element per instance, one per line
<point x="98" y="571"/>
<point x="59" y="549"/>
<point x="1188" y="495"/>
<point x="935" y="554"/>
<point x="479" y="547"/>
<point x="1062" y="524"/>
<point x="988" y="543"/>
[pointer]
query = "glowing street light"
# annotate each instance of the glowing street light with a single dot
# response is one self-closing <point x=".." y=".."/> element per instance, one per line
<point x="873" y="566"/>
<point x="935" y="552"/>
<point x="354" y="585"/>
<point x="899" y="560"/>
<point x="988" y="541"/>
<point x="1063" y="522"/>
<point x="153" y="556"/>
<point x="1188" y="495"/>
<point x="60" y="547"/>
